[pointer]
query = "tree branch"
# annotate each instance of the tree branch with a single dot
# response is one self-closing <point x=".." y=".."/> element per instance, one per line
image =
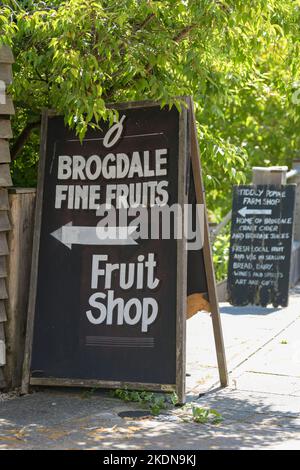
<point x="22" y="139"/>
<point x="145" y="22"/>
<point x="184" y="32"/>
<point x="178" y="38"/>
<point x="137" y="28"/>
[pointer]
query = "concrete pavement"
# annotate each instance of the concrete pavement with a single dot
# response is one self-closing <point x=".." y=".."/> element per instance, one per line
<point x="260" y="409"/>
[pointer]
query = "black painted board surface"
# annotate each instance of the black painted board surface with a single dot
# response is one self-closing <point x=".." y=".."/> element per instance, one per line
<point x="261" y="242"/>
<point x="65" y="342"/>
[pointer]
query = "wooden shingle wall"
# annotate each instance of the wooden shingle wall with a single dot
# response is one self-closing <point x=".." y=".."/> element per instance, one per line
<point x="6" y="110"/>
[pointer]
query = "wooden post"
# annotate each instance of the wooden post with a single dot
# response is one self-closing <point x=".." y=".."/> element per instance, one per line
<point x="275" y="175"/>
<point x="6" y="110"/>
<point x="296" y="179"/>
<point x="22" y="204"/>
<point x="295" y="265"/>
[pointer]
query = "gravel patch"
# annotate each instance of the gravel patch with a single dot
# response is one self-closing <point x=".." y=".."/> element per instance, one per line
<point x="8" y="395"/>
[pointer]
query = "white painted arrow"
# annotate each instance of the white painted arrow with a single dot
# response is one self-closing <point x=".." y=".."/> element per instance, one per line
<point x="244" y="211"/>
<point x="69" y="235"/>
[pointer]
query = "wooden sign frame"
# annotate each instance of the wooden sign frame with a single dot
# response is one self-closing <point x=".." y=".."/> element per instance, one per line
<point x="207" y="253"/>
<point x="187" y="151"/>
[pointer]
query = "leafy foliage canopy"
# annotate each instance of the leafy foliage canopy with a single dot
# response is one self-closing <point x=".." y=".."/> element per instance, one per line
<point x="238" y="59"/>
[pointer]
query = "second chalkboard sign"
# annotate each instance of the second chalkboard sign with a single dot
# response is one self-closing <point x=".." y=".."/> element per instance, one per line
<point x="261" y="241"/>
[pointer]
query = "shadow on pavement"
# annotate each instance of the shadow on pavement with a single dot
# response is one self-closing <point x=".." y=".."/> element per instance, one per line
<point x="249" y="310"/>
<point x="63" y="420"/>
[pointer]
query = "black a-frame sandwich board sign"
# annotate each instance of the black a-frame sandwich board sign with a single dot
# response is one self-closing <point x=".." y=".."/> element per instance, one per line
<point x="108" y="309"/>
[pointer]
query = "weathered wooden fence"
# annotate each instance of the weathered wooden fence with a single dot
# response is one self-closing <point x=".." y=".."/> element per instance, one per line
<point x="6" y="110"/>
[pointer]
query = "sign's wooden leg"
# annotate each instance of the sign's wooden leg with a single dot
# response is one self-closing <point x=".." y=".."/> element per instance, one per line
<point x="210" y="274"/>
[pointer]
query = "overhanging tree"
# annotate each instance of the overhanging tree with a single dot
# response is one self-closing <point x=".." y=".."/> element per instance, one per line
<point x="238" y="60"/>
